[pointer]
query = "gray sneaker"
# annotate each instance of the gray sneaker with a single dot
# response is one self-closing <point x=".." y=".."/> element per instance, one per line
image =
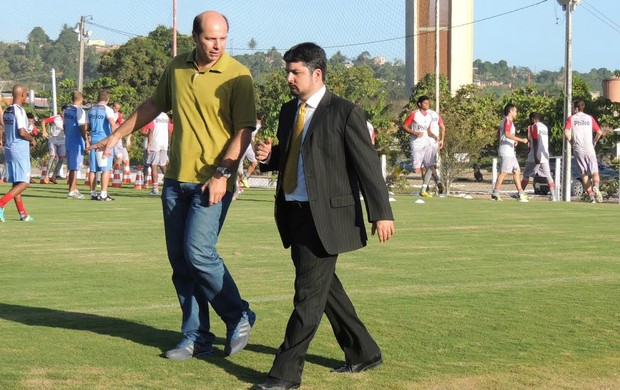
<point x="237" y="338"/>
<point x="188" y="349"/>
<point x="75" y="195"/>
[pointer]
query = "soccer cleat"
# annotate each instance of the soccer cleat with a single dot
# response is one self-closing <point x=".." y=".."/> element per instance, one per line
<point x="522" y="197"/>
<point x="154" y="191"/>
<point x="2" y="219"/>
<point x="237" y="338"/>
<point x="425" y="194"/>
<point x="75" y="195"/>
<point x="245" y="183"/>
<point x="495" y="196"/>
<point x="26" y="218"/>
<point x="107" y="198"/>
<point x="440" y="188"/>
<point x="597" y="195"/>
<point x="95" y="197"/>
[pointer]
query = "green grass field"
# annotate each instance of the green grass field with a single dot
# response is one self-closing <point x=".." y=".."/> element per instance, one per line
<point x="469" y="294"/>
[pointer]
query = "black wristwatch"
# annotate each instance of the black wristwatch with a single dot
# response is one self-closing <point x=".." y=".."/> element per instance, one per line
<point x="225" y="172"/>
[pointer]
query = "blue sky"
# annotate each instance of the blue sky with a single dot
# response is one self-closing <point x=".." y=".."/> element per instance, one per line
<point x="532" y="37"/>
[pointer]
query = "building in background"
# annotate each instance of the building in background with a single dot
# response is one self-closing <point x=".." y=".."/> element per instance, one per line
<point x="456" y="41"/>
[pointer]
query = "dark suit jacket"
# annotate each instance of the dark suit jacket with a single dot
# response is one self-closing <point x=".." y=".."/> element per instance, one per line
<point x="338" y="159"/>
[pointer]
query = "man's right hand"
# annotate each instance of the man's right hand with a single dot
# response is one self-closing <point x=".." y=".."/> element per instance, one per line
<point x="105" y="145"/>
<point x="263" y="149"/>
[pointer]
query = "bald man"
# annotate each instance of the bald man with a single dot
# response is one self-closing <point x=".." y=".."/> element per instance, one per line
<point x="212" y="97"/>
<point x="17" y="142"/>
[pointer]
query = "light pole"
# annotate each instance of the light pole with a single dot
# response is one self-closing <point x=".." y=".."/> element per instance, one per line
<point x="569" y="7"/>
<point x="83" y="35"/>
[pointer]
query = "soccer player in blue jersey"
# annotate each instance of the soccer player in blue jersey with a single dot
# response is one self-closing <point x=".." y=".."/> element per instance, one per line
<point x="17" y="141"/>
<point x="101" y="124"/>
<point x="75" y="141"/>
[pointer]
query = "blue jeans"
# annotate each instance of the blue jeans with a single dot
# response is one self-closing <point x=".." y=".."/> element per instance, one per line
<point x="198" y="272"/>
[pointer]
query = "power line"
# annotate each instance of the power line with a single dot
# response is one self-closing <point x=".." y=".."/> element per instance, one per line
<point x="613" y="25"/>
<point x="426" y="32"/>
<point x="125" y="33"/>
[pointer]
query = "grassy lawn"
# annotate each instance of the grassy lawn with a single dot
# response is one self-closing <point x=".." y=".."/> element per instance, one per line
<point x="469" y="294"/>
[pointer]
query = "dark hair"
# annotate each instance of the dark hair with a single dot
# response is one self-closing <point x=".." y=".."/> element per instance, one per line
<point x="64" y="107"/>
<point x="579" y="105"/>
<point x="197" y="25"/>
<point x="311" y="54"/>
<point x="29" y="115"/>
<point x="508" y="108"/>
<point x="422" y="98"/>
<point x="535" y="115"/>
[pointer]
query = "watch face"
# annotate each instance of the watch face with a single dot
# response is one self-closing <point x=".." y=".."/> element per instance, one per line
<point x="224" y="171"/>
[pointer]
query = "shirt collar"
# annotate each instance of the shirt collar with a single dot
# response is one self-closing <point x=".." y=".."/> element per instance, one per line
<point x="219" y="66"/>
<point x="314" y="100"/>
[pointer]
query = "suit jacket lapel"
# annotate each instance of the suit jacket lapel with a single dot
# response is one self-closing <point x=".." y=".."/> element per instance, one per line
<point x="319" y="115"/>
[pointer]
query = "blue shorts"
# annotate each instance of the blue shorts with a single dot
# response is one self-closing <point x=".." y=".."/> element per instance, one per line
<point x="75" y="158"/>
<point x="17" y="168"/>
<point x="93" y="162"/>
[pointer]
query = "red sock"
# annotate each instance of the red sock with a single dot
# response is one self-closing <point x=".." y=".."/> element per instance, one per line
<point x="524" y="184"/>
<point x="551" y="186"/>
<point x="590" y="191"/>
<point x="20" y="207"/>
<point x="6" y="199"/>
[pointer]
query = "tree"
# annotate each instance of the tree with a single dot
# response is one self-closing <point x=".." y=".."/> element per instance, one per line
<point x="252" y="44"/>
<point x="271" y="92"/>
<point x="470" y="117"/>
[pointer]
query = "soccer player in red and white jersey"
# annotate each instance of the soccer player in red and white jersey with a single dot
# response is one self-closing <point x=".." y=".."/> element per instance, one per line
<point x="418" y="125"/>
<point x="121" y="154"/>
<point x="507" y="142"/>
<point x="578" y="131"/>
<point x="56" y="144"/>
<point x="438" y="129"/>
<point x="158" y="135"/>
<point x="538" y="158"/>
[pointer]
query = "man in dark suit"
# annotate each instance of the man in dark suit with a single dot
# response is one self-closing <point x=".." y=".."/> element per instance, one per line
<point x="324" y="158"/>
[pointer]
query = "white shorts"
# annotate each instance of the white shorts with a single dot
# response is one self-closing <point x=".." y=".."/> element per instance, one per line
<point x="157" y="157"/>
<point x="56" y="147"/>
<point x="418" y="154"/>
<point x="510" y="164"/>
<point x="120" y="152"/>
<point x="430" y="157"/>
<point x="531" y="168"/>
<point x="587" y="164"/>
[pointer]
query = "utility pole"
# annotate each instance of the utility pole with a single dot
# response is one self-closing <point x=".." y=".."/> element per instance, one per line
<point x="174" y="28"/>
<point x="437" y="55"/>
<point x="83" y="35"/>
<point x="569" y="7"/>
<point x="55" y="105"/>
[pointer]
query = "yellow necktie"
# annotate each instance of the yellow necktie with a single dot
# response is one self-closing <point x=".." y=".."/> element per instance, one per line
<point x="290" y="169"/>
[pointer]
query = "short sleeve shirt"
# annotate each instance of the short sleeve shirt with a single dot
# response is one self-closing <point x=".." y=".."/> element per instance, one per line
<point x="208" y="106"/>
<point x="99" y="123"/>
<point x="506" y="145"/>
<point x="582" y="126"/>
<point x="74" y="117"/>
<point x="419" y="121"/>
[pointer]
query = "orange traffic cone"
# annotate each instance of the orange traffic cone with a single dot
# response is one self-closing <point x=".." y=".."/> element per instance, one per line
<point x="44" y="178"/>
<point x="126" y="174"/>
<point x="87" y="179"/>
<point x="149" y="179"/>
<point x="116" y="180"/>
<point x="139" y="182"/>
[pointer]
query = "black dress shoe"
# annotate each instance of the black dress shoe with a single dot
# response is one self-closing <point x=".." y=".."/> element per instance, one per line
<point x="275" y="384"/>
<point x="373" y="362"/>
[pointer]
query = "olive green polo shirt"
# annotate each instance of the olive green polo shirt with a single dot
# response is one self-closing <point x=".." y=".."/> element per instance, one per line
<point x="208" y="107"/>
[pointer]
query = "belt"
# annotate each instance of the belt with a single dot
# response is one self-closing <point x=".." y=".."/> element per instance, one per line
<point x="297" y="204"/>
